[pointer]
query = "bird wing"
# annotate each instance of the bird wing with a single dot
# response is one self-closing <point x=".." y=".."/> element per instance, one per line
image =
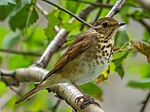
<point x="77" y="47"/>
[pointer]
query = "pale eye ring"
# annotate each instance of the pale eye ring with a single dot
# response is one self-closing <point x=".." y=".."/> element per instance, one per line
<point x="105" y="24"/>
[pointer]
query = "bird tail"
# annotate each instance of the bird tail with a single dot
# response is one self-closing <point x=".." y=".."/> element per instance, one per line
<point x="29" y="94"/>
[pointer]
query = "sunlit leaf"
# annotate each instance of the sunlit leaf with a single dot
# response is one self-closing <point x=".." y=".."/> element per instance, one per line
<point x="3" y="88"/>
<point x="144" y="70"/>
<point x="36" y="40"/>
<point x="120" y="55"/>
<point x="142" y="83"/>
<point x="68" y="26"/>
<point x="20" y="61"/>
<point x="3" y="32"/>
<point x="103" y="76"/>
<point x="72" y="6"/>
<point x="92" y="90"/>
<point x="53" y="20"/>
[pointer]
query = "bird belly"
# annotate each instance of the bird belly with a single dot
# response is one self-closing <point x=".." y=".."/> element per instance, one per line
<point x="84" y="69"/>
<point x="92" y="71"/>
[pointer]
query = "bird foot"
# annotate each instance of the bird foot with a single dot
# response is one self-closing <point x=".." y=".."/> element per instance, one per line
<point x="87" y="100"/>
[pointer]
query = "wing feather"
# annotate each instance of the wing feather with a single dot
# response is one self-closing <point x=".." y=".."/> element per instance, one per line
<point x="77" y="47"/>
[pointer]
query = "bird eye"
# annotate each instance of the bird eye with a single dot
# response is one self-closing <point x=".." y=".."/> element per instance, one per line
<point x="105" y="24"/>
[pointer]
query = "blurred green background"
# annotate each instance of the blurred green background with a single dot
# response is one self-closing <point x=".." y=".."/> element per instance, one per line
<point x="25" y="27"/>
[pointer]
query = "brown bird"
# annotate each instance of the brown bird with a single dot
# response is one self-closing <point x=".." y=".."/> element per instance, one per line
<point x="85" y="59"/>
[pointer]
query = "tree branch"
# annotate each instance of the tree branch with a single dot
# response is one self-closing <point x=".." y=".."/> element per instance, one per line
<point x="116" y="8"/>
<point x="66" y="91"/>
<point x="22" y="75"/>
<point x="145" y="4"/>
<point x="97" y="4"/>
<point x="20" y="52"/>
<point x="70" y="94"/>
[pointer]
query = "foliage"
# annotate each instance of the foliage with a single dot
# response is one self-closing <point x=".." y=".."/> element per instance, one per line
<point x="22" y="28"/>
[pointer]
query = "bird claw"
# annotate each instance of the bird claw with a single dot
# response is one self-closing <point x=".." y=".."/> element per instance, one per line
<point x="87" y="100"/>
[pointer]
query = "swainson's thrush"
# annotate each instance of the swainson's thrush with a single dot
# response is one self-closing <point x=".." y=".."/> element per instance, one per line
<point x="85" y="59"/>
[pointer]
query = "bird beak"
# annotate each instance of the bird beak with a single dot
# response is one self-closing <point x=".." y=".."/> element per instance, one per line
<point x="121" y="24"/>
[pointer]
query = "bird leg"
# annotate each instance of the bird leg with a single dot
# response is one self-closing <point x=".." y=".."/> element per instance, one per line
<point x="87" y="100"/>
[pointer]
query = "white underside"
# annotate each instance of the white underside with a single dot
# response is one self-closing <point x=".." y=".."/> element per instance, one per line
<point x="92" y="73"/>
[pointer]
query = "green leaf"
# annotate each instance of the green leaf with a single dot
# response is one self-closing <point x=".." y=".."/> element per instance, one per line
<point x="120" y="55"/>
<point x="3" y="32"/>
<point x="7" y="2"/>
<point x="142" y="83"/>
<point x="5" y="10"/>
<point x="11" y="39"/>
<point x="53" y="20"/>
<point x="92" y="90"/>
<point x="1" y="59"/>
<point x="124" y="11"/>
<point x="147" y="36"/>
<point x="72" y="6"/>
<point x="3" y="88"/>
<point x="119" y="69"/>
<point x="18" y="61"/>
<point x="26" y="14"/>
<point x="118" y="58"/>
<point x="37" y="34"/>
<point x="121" y="38"/>
<point x="144" y="70"/>
<point x="69" y="27"/>
<point x="36" y="41"/>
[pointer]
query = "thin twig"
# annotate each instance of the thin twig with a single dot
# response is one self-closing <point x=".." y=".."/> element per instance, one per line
<point x="56" y="105"/>
<point x="20" y="52"/>
<point x="98" y="4"/>
<point x="123" y="50"/>
<point x="141" y="21"/>
<point x="144" y="23"/>
<point x="145" y="102"/>
<point x="69" y="12"/>
<point x="82" y="27"/>
<point x="100" y="10"/>
<point x="116" y="8"/>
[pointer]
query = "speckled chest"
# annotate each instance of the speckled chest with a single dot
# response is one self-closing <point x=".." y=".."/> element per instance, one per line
<point x="95" y="60"/>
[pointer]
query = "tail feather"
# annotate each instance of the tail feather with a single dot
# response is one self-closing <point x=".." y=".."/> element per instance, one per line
<point x="29" y="94"/>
